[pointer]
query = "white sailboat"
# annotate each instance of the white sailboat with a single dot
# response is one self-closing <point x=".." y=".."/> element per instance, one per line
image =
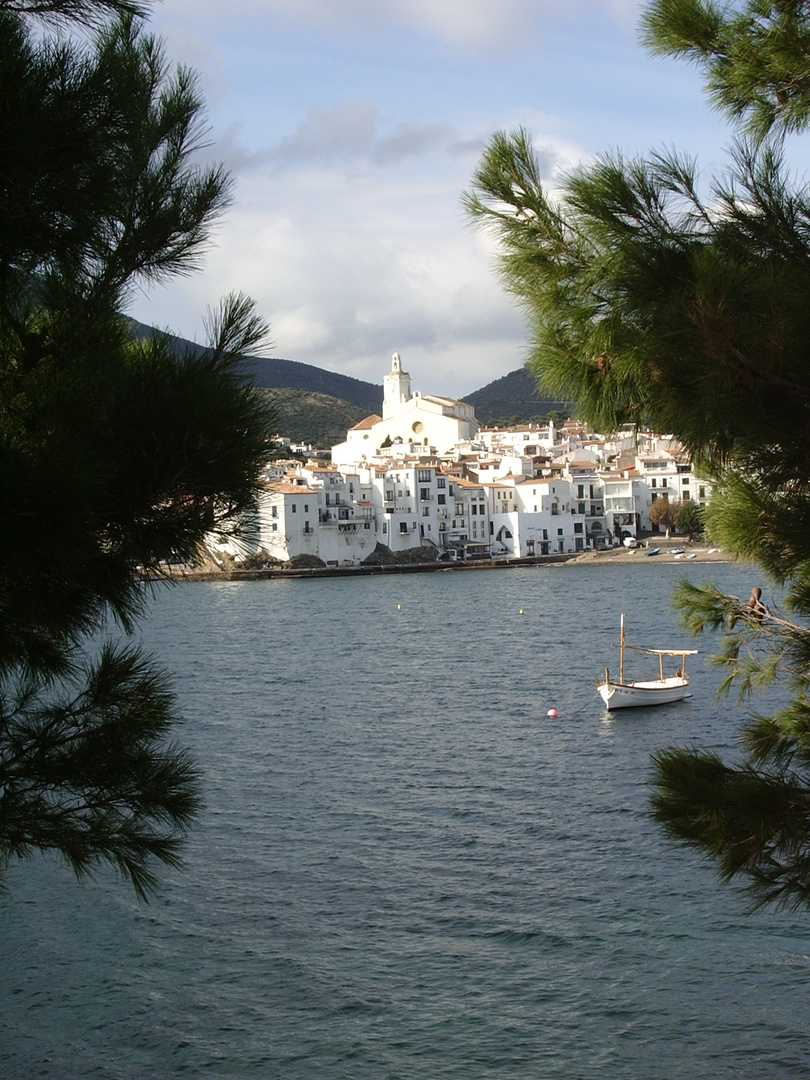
<point x="618" y="694"/>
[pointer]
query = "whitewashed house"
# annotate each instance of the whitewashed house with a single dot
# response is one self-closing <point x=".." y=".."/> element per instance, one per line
<point x="467" y="527"/>
<point x="288" y="520"/>
<point x="531" y="516"/>
<point x="625" y="499"/>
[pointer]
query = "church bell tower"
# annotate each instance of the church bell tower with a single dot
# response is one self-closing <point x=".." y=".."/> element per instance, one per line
<point x="396" y="388"/>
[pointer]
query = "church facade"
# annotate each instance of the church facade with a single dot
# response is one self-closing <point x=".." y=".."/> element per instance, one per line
<point x="422" y="425"/>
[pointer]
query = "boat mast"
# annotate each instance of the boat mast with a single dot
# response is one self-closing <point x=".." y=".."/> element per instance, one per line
<point x="621" y="651"/>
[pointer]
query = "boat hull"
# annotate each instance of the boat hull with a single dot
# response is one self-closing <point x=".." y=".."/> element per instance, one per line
<point x="649" y="692"/>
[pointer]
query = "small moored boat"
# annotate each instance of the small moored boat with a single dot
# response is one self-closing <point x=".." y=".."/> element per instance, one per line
<point x="618" y="694"/>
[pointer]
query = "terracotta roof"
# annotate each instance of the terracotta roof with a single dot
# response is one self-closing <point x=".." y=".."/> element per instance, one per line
<point x="286" y="488"/>
<point x="369" y="422"/>
<point x="583" y="465"/>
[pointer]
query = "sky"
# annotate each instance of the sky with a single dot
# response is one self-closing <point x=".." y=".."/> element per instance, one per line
<point x="351" y="129"/>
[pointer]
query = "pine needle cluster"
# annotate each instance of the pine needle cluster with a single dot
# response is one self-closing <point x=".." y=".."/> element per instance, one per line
<point x="116" y="455"/>
<point x="652" y="297"/>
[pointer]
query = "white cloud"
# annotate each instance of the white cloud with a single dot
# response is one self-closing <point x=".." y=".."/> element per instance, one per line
<point x="358" y="247"/>
<point x="352" y="128"/>
<point x="478" y="26"/>
<point x="350" y="131"/>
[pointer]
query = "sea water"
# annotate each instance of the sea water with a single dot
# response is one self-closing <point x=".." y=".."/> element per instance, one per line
<point x="405" y="867"/>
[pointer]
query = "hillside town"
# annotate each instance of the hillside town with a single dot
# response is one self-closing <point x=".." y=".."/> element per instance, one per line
<point x="426" y="475"/>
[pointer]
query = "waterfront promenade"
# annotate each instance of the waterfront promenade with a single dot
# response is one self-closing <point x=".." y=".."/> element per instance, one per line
<point x="667" y="553"/>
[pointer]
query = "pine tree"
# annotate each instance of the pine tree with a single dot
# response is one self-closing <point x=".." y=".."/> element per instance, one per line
<point x="650" y="300"/>
<point x="115" y="453"/>
<point x="690" y="519"/>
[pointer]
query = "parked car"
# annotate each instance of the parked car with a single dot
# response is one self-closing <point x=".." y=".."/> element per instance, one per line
<point x="630" y="542"/>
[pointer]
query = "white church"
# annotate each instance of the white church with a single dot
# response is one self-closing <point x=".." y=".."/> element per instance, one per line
<point x="411" y="424"/>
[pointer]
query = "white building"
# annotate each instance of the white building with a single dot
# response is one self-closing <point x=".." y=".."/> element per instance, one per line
<point x="412" y="425"/>
<point x="421" y="474"/>
<point x="531" y="516"/>
<point x="625" y="497"/>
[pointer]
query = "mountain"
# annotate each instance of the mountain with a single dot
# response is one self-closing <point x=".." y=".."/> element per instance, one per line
<point x="512" y="396"/>
<point x="290" y="375"/>
<point x="318" y="406"/>
<point x="270" y="373"/>
<point x="307" y="416"/>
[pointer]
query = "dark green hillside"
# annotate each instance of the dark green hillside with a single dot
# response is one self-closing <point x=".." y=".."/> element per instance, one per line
<point x="274" y="374"/>
<point x="332" y="403"/>
<point x="512" y="395"/>
<point x="270" y="373"/>
<point x="311" y="417"/>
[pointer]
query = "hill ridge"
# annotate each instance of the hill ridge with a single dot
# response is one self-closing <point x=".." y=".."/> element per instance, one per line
<point x="317" y="402"/>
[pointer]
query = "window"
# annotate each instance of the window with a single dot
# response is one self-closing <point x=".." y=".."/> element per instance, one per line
<point x="654" y="482"/>
<point x="293" y="507"/>
<point x="425" y="511"/>
<point x="366" y="524"/>
<point x="403" y="526"/>
<point x="473" y="509"/>
<point x="424" y="494"/>
<point x="580" y="491"/>
<point x="577" y="526"/>
<point x="423" y="476"/>
<point x="441" y="499"/>
<point x="581" y="508"/>
<point x="306" y="508"/>
<point x="440" y="482"/>
<point x="306" y="527"/>
<point x="389" y="495"/>
<point x="559" y="532"/>
<point x="275" y="527"/>
<point x="274" y="511"/>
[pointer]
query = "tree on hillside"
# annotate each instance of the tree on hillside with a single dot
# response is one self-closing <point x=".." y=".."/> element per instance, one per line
<point x="651" y="300"/>
<point x="114" y="453"/>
